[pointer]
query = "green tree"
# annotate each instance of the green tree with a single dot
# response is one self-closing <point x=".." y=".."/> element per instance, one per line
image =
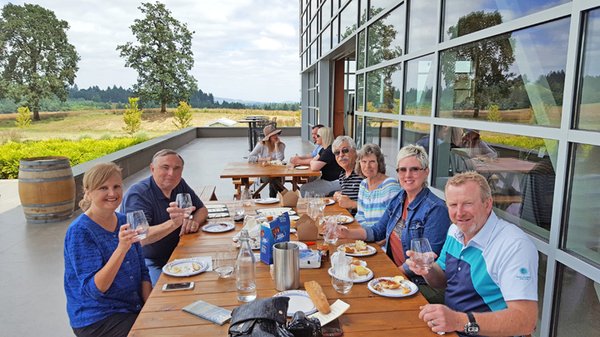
<point x="182" y="116"/>
<point x="162" y="57"/>
<point x="23" y="119"/>
<point x="132" y="116"/>
<point x="36" y="59"/>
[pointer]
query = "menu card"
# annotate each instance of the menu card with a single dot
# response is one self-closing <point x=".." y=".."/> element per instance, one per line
<point x="337" y="309"/>
<point x="209" y="312"/>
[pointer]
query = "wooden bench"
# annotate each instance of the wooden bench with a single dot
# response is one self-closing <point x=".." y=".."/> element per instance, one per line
<point x="207" y="193"/>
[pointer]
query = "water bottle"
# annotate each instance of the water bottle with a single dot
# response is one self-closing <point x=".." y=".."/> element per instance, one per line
<point x="244" y="270"/>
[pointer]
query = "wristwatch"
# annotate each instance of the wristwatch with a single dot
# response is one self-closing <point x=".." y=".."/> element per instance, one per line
<point x="471" y="328"/>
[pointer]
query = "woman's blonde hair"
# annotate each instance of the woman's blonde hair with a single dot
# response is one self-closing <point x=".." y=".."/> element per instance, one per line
<point x="94" y="178"/>
<point x="326" y="136"/>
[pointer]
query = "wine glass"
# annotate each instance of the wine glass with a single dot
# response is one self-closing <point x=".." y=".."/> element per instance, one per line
<point x="184" y="201"/>
<point x="331" y="233"/>
<point x="423" y="256"/>
<point x="137" y="222"/>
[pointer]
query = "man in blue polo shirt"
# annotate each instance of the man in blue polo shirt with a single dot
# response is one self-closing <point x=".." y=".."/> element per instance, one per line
<point x="156" y="196"/>
<point x="487" y="265"/>
<point x="305" y="159"/>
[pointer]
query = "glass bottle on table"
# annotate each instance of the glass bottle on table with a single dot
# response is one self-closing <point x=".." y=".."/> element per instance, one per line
<point x="245" y="270"/>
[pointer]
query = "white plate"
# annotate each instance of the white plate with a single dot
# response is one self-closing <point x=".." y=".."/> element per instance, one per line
<point x="302" y="167"/>
<point x="294" y="217"/>
<point x="356" y="278"/>
<point x="370" y="250"/>
<point x="393" y="292"/>
<point x="300" y="245"/>
<point x="218" y="227"/>
<point x="266" y="201"/>
<point x="342" y="219"/>
<point x="183" y="268"/>
<point x="218" y="215"/>
<point x="329" y="201"/>
<point x="299" y="301"/>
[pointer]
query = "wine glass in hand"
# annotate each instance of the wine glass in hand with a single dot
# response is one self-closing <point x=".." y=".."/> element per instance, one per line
<point x="422" y="256"/>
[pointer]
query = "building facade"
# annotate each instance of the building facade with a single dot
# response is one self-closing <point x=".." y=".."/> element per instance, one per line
<point x="510" y="89"/>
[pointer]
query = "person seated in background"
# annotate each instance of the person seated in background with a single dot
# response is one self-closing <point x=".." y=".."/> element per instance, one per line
<point x="106" y="281"/>
<point x="326" y="163"/>
<point x="156" y="196"/>
<point x="476" y="147"/>
<point x="270" y="148"/>
<point x="305" y="159"/>
<point x="377" y="189"/>
<point x="413" y="213"/>
<point x="344" y="150"/>
<point x="488" y="266"/>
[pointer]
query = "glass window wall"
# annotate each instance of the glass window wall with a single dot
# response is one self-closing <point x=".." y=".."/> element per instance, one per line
<point x="578" y="305"/>
<point x="465" y="17"/>
<point x="377" y="6"/>
<point x="422" y="30"/>
<point x="386" y="37"/>
<point x="383" y="89"/>
<point x="588" y="114"/>
<point x="360" y="49"/>
<point x="360" y="91"/>
<point x="348" y="20"/>
<point x="507" y="78"/>
<point x="416" y="133"/>
<point x="384" y="132"/>
<point x="418" y="90"/>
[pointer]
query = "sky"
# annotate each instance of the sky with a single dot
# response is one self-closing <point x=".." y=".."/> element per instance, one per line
<point x="243" y="49"/>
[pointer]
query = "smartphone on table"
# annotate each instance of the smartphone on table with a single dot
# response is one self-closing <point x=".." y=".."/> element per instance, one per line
<point x="178" y="286"/>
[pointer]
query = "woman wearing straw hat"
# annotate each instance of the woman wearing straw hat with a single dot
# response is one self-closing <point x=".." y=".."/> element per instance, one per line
<point x="270" y="148"/>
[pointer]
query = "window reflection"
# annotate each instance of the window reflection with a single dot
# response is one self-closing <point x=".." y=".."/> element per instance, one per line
<point x="519" y="169"/>
<point x="589" y="95"/>
<point x="386" y="37"/>
<point x="464" y="17"/>
<point x="383" y="89"/>
<point x="326" y="10"/>
<point x="358" y="131"/>
<point x="416" y="133"/>
<point x="360" y="50"/>
<point x="421" y="16"/>
<point x="420" y="77"/>
<point x="326" y="40"/>
<point x="542" y="268"/>
<point x="376" y="6"/>
<point x="505" y="79"/>
<point x="384" y="132"/>
<point x="578" y="306"/>
<point x="348" y="20"/>
<point x="583" y="228"/>
<point x="360" y="91"/>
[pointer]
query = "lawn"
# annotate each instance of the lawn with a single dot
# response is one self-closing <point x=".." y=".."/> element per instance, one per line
<point x="109" y="123"/>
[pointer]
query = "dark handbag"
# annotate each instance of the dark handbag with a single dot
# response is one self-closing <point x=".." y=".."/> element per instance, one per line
<point x="302" y="326"/>
<point x="260" y="318"/>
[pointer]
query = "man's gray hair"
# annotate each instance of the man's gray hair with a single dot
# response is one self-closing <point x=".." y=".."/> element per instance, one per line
<point x="164" y="153"/>
<point x="343" y="139"/>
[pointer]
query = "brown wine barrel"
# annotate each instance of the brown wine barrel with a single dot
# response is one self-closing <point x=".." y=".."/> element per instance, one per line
<point x="46" y="189"/>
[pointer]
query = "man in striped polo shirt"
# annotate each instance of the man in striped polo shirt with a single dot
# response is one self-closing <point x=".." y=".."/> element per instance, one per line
<point x="487" y="265"/>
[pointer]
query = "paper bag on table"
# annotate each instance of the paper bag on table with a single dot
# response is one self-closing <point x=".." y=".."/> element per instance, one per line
<point x="306" y="229"/>
<point x="289" y="198"/>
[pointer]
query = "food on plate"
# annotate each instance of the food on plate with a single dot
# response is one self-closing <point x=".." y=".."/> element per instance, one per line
<point x="185" y="268"/>
<point x="361" y="271"/>
<point x="358" y="247"/>
<point x="356" y="261"/>
<point x="396" y="282"/>
<point x="316" y="294"/>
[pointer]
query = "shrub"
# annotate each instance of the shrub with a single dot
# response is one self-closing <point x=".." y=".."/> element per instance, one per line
<point x="182" y="116"/>
<point x="23" y="119"/>
<point x="494" y="113"/>
<point x="132" y="116"/>
<point x="77" y="151"/>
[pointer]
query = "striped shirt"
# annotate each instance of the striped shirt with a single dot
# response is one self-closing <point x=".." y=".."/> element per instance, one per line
<point x="350" y="185"/>
<point x="372" y="204"/>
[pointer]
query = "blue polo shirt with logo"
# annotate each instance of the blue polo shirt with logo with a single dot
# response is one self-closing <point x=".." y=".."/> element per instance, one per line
<point x="498" y="265"/>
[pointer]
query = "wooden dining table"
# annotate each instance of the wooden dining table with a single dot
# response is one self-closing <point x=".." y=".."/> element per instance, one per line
<point x="368" y="314"/>
<point x="244" y="171"/>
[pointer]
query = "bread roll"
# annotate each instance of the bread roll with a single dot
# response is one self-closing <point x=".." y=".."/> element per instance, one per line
<point x="318" y="297"/>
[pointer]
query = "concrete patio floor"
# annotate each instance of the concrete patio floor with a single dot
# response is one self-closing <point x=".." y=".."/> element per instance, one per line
<point x="31" y="282"/>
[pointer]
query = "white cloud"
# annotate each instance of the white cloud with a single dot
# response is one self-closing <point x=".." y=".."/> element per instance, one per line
<point x="246" y="49"/>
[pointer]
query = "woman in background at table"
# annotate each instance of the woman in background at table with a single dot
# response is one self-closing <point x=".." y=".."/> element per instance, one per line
<point x="377" y="190"/>
<point x="106" y="280"/>
<point x="415" y="212"/>
<point x="269" y="149"/>
<point x="324" y="162"/>
<point x="344" y="150"/>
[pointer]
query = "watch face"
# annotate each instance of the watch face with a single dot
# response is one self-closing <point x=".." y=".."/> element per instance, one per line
<point x="472" y="329"/>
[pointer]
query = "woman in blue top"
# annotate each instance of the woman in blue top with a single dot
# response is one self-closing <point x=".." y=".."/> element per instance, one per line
<point x="415" y="212"/>
<point x="106" y="281"/>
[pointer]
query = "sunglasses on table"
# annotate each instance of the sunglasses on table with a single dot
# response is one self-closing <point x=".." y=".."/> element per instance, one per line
<point x="344" y="151"/>
<point x="411" y="169"/>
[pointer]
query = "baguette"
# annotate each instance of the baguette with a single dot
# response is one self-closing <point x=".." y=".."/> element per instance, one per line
<point x="316" y="294"/>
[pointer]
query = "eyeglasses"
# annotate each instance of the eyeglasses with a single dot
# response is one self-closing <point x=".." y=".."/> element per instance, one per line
<point x="344" y="151"/>
<point x="411" y="169"/>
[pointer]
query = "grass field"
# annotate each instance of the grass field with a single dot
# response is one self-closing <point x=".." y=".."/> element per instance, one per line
<point x="109" y="123"/>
